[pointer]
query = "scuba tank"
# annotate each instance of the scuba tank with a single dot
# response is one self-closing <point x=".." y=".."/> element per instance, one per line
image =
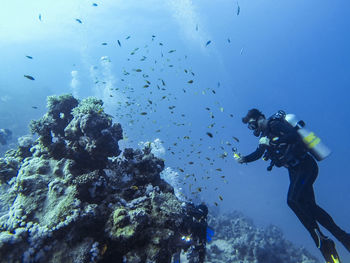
<point x="311" y="141"/>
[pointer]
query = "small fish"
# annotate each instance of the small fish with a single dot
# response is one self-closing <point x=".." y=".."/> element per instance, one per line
<point x="187" y="137"/>
<point x="40" y="17"/>
<point x="78" y="20"/>
<point x="210" y="134"/>
<point x="30" y="57"/>
<point x="138" y="70"/>
<point x="143" y="113"/>
<point x="199" y="189"/>
<point x="104" y="44"/>
<point x="241" y="52"/>
<point x="160" y="44"/>
<point x="171" y="51"/>
<point x="127" y="37"/>
<point x="224" y="155"/>
<point x="119" y="43"/>
<point x="238" y="9"/>
<point x="190" y="162"/>
<point x="231" y="115"/>
<point x="185" y="70"/>
<point x="134" y="187"/>
<point x="150" y="102"/>
<point x="29" y="77"/>
<point x="213" y="91"/>
<point x="221" y="197"/>
<point x="216" y="203"/>
<point x="181" y="170"/>
<point x="219" y="169"/>
<point x="208" y="43"/>
<point x="197" y="27"/>
<point x="94" y="4"/>
<point x="228" y="40"/>
<point x="145" y="86"/>
<point x="235" y="138"/>
<point x="221" y="109"/>
<point x="163" y="82"/>
<point x="34" y="107"/>
<point x="190" y="81"/>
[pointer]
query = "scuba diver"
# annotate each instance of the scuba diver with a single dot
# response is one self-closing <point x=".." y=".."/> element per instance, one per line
<point x="194" y="233"/>
<point x="282" y="141"/>
<point x="5" y="136"/>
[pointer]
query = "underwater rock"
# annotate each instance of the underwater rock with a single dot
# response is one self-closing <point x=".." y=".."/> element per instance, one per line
<point x="238" y="240"/>
<point x="81" y="131"/>
<point x="69" y="196"/>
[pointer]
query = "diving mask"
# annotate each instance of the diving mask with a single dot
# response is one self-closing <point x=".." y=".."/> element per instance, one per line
<point x="252" y="124"/>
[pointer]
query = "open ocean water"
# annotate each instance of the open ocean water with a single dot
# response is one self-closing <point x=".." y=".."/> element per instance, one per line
<point x="185" y="72"/>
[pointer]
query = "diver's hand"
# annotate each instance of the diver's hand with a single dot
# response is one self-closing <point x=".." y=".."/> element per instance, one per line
<point x="240" y="160"/>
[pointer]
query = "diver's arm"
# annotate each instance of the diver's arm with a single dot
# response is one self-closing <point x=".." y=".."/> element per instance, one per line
<point x="257" y="154"/>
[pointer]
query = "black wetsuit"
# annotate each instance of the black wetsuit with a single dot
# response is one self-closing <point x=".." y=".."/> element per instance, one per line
<point x="303" y="171"/>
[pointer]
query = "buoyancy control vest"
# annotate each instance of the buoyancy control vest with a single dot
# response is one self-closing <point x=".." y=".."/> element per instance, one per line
<point x="282" y="153"/>
<point x="311" y="142"/>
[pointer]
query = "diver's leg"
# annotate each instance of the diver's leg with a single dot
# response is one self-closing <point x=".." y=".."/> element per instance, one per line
<point x="327" y="222"/>
<point x="296" y="201"/>
<point x="320" y="215"/>
<point x="301" y="198"/>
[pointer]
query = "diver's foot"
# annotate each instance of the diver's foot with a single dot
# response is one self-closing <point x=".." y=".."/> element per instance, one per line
<point x="329" y="252"/>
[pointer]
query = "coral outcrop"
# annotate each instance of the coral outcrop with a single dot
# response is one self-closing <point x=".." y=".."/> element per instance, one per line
<point x="238" y="240"/>
<point x="70" y="196"/>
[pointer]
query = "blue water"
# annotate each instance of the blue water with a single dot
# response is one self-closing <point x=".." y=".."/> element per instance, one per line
<point x="290" y="55"/>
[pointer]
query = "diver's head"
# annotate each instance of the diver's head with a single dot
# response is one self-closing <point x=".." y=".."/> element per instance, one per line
<point x="254" y="119"/>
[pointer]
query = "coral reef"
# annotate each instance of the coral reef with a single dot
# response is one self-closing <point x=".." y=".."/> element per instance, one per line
<point x="69" y="196"/>
<point x="72" y="196"/>
<point x="238" y="240"/>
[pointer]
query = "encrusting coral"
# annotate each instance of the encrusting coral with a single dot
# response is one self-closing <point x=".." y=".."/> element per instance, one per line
<point x="62" y="196"/>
